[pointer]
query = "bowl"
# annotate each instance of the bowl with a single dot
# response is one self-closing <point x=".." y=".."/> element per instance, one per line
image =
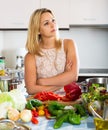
<point x="6" y="124"/>
<point x="98" y="80"/>
<point x="100" y="124"/>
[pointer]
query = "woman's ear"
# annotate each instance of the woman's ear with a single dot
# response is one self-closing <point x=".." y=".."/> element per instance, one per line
<point x="38" y="33"/>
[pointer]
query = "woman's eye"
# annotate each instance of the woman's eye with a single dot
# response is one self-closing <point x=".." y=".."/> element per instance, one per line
<point x="46" y="23"/>
<point x="53" y="20"/>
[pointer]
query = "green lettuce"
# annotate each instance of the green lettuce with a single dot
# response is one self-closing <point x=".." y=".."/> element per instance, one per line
<point x="15" y="98"/>
<point x="6" y="97"/>
<point x="19" y="99"/>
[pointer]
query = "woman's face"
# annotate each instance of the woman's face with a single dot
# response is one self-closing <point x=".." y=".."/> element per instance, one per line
<point x="48" y="26"/>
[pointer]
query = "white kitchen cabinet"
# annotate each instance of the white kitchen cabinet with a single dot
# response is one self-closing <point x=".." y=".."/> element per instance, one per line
<point x="89" y="12"/>
<point x="15" y="14"/>
<point x="60" y="9"/>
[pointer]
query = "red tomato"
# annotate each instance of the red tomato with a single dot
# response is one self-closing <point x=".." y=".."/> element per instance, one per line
<point x="34" y="113"/>
<point x="34" y="120"/>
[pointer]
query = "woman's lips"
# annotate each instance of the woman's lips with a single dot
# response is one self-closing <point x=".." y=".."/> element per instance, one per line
<point x="54" y="30"/>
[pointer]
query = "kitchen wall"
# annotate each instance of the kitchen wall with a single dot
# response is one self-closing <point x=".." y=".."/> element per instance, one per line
<point x="92" y="45"/>
<point x="1" y="42"/>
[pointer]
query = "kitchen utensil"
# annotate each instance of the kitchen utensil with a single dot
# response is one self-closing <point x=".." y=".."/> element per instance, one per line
<point x="11" y="125"/>
<point x="95" y="114"/>
<point x="105" y="110"/>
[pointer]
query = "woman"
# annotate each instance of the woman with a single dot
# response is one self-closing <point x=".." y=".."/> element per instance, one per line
<point x="51" y="62"/>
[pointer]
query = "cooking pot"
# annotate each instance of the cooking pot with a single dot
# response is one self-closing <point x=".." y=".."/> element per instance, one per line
<point x="99" y="80"/>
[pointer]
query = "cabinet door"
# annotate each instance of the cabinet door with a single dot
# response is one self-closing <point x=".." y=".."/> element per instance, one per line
<point x="60" y="9"/>
<point x="89" y="12"/>
<point x="15" y="14"/>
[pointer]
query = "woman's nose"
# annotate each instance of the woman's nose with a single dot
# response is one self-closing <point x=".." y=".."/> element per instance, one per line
<point x="52" y="24"/>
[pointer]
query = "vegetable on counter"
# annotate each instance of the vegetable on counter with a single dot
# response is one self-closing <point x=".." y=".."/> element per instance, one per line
<point x="14" y="99"/>
<point x="95" y="92"/>
<point x="34" y="113"/>
<point x="80" y="109"/>
<point x="33" y="103"/>
<point x="55" y="108"/>
<point x="48" y="114"/>
<point x="34" y="120"/>
<point x="60" y="120"/>
<point x="73" y="91"/>
<point x="44" y="96"/>
<point x="26" y="115"/>
<point x="74" y="118"/>
<point x="13" y="114"/>
<point x="67" y="116"/>
<point x="72" y="114"/>
<point x="41" y="112"/>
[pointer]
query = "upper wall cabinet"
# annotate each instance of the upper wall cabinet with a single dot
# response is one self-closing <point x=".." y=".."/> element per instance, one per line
<point x="89" y="12"/>
<point x="60" y="9"/>
<point x="15" y="14"/>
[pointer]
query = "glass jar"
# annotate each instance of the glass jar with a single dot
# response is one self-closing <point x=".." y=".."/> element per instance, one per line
<point x="4" y="83"/>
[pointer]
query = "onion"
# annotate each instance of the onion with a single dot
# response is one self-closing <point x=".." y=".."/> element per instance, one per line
<point x="13" y="114"/>
<point x="26" y="115"/>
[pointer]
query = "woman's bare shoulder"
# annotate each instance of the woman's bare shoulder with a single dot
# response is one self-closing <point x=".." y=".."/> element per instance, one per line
<point x="69" y="43"/>
<point x="29" y="56"/>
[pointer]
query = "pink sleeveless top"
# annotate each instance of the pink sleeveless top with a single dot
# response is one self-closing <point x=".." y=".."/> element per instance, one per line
<point x="51" y="63"/>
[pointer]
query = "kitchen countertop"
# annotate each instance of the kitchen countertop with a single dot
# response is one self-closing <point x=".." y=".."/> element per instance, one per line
<point x="93" y="72"/>
<point x="45" y="124"/>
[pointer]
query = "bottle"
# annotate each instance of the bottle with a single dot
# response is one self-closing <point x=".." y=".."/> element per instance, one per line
<point x="18" y="62"/>
<point x="2" y="63"/>
<point x="2" y="66"/>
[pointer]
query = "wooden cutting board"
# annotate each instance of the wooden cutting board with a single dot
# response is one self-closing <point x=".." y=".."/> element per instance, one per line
<point x="62" y="102"/>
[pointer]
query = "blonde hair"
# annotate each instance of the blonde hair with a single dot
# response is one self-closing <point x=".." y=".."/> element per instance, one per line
<point x="33" y="38"/>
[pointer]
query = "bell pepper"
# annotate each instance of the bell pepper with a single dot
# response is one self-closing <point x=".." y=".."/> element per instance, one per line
<point x="55" y="108"/>
<point x="44" y="96"/>
<point x="73" y="91"/>
<point x="42" y="107"/>
<point x="41" y="112"/>
<point x="33" y="103"/>
<point x="48" y="114"/>
<point x="80" y="109"/>
<point x="74" y="119"/>
<point x="60" y="120"/>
